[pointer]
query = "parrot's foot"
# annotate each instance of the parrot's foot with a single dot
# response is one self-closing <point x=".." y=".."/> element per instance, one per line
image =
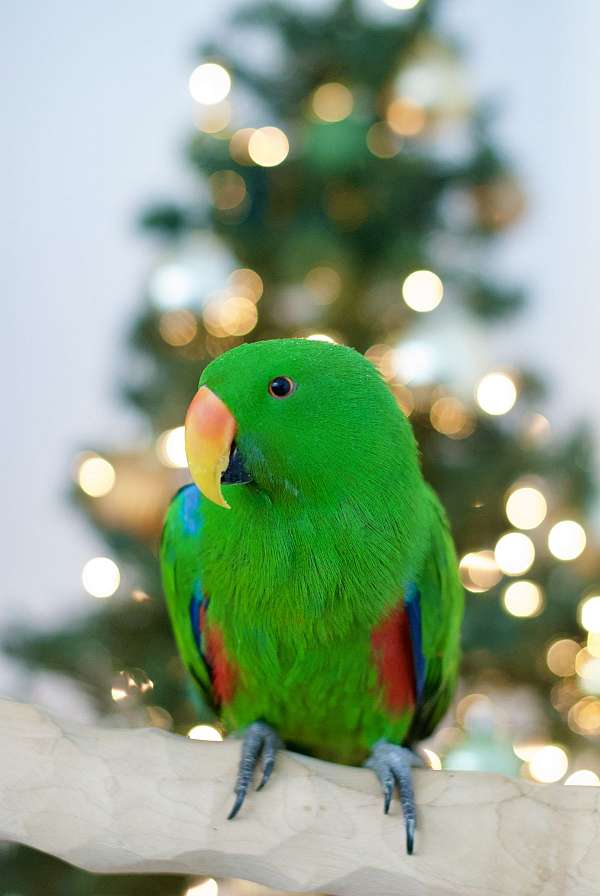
<point x="392" y="765"/>
<point x="261" y="742"/>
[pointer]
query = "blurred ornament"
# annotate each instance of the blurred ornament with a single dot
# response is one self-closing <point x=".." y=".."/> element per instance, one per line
<point x="499" y="203"/>
<point x="191" y="273"/>
<point x="209" y="83"/>
<point x="434" y="80"/>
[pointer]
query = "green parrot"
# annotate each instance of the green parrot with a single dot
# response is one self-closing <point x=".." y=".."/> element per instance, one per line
<point x="309" y="571"/>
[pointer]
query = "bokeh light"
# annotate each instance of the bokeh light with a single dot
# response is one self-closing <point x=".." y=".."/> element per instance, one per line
<point x="209" y="83"/>
<point x="405" y="117"/>
<point x="177" y="328"/>
<point x="170" y="448"/>
<point x="589" y="614"/>
<point x="479" y="571"/>
<point x="247" y="283"/>
<point x="214" y="119"/>
<point x="382" y="141"/>
<point x="96" y="476"/>
<point x="268" y="147"/>
<point x="549" y="764"/>
<point x="514" y="553"/>
<point x="324" y="284"/>
<point x="449" y="416"/>
<point x="204" y="732"/>
<point x="583" y="777"/>
<point x="401" y="4"/>
<point x="101" y="577"/>
<point x="496" y="393"/>
<point x="560" y="657"/>
<point x="228" y="189"/>
<point x="523" y="599"/>
<point x="584" y="716"/>
<point x="526" y="507"/>
<point x="422" y="291"/>
<point x="332" y="102"/>
<point x="238" y="146"/>
<point x="434" y="760"/>
<point x="566" y="540"/>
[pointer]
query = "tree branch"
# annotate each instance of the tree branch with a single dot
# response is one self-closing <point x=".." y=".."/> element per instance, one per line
<point x="143" y="800"/>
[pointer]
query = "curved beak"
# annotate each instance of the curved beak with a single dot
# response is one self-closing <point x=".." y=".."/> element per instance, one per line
<point x="209" y="432"/>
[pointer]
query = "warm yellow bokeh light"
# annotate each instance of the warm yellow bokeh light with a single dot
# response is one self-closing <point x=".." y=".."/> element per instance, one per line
<point x="589" y="614"/>
<point x="496" y="393"/>
<point x="170" y="447"/>
<point x="566" y="540"/>
<point x="332" y="102"/>
<point x="320" y="337"/>
<point x="405" y="117"/>
<point x="206" y="888"/>
<point x="101" y="577"/>
<point x="238" y="316"/>
<point x="228" y="189"/>
<point x="238" y="146"/>
<point x="204" y="732"/>
<point x="449" y="416"/>
<point x="479" y="571"/>
<point x="526" y="508"/>
<point x="246" y="282"/>
<point x="268" y="147"/>
<point x="178" y="328"/>
<point x="215" y="118"/>
<point x="526" y="750"/>
<point x="324" y="284"/>
<point x="560" y="657"/>
<point x="593" y="644"/>
<point x="434" y="760"/>
<point x="584" y="777"/>
<point x="209" y="83"/>
<point x="422" y="291"/>
<point x="549" y="764"/>
<point x="382" y="142"/>
<point x="514" y="553"/>
<point x="523" y="599"/>
<point x="96" y="476"/>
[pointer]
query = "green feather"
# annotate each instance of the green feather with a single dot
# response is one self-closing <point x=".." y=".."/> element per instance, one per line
<point x="316" y="551"/>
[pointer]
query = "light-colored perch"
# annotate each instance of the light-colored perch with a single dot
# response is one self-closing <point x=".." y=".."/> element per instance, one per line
<point x="143" y="800"/>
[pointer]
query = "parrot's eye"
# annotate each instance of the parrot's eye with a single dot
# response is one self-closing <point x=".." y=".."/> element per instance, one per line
<point x="281" y="387"/>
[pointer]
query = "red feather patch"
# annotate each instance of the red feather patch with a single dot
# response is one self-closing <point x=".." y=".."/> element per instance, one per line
<point x="223" y="674"/>
<point x="392" y="650"/>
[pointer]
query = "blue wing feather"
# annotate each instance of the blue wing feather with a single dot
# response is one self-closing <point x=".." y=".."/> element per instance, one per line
<point x="412" y="603"/>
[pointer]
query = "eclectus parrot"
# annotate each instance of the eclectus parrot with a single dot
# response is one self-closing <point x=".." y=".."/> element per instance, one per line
<point x="310" y="575"/>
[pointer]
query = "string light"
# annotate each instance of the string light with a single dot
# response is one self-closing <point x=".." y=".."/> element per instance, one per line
<point x="268" y="147"/>
<point x="514" y="553"/>
<point x="422" y="291"/>
<point x="549" y="764"/>
<point x="96" y="476"/>
<point x="101" y="577"/>
<point x="523" y="599"/>
<point x="170" y="448"/>
<point x="560" y="657"/>
<point x="496" y="393"/>
<point x="526" y="508"/>
<point x="206" y="888"/>
<point x="209" y="83"/>
<point x="566" y="540"/>
<point x="584" y="777"/>
<point x="332" y="102"/>
<point x="204" y="732"/>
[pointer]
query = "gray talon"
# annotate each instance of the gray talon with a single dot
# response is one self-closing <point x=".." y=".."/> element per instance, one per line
<point x="392" y="764"/>
<point x="261" y="742"/>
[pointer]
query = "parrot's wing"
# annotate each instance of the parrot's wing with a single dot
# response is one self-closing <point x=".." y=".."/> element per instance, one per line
<point x="179" y="566"/>
<point x="434" y="607"/>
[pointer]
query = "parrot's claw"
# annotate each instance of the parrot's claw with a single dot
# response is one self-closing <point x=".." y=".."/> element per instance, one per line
<point x="392" y="765"/>
<point x="261" y="742"/>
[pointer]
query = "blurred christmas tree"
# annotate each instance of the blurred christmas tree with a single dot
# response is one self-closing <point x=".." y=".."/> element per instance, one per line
<point x="353" y="200"/>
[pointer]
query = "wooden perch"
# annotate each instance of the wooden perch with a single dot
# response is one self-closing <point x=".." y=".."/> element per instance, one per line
<point x="141" y="801"/>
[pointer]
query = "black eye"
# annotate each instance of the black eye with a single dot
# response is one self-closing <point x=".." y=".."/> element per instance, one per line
<point x="281" y="387"/>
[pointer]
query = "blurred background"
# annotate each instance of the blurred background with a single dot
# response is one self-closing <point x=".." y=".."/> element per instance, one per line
<point x="416" y="179"/>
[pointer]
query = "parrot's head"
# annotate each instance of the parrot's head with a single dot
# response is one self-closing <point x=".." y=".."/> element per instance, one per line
<point x="297" y="420"/>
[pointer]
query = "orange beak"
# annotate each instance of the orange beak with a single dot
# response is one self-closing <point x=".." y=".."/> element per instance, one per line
<point x="209" y="431"/>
